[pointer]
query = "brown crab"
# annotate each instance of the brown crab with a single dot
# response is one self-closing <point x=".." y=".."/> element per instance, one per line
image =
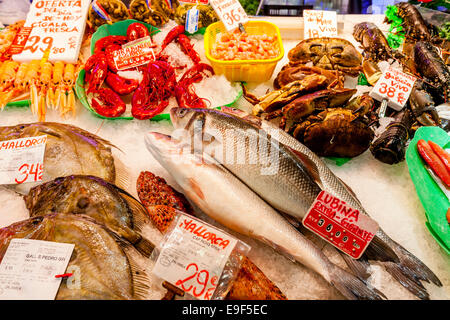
<point x="289" y="74"/>
<point x="327" y="53"/>
<point x="309" y="103"/>
<point x="335" y="133"/>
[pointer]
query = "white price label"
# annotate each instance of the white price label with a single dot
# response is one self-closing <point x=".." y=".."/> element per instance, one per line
<point x="394" y="86"/>
<point x="193" y="257"/>
<point x="22" y="160"/>
<point x="29" y="268"/>
<point x="318" y="23"/>
<point x="230" y="13"/>
<point x="192" y="20"/>
<point x="57" y="25"/>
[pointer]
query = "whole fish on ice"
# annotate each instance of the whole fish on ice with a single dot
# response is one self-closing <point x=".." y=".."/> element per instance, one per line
<point x="288" y="176"/>
<point x="106" y="263"/>
<point x="230" y="202"/>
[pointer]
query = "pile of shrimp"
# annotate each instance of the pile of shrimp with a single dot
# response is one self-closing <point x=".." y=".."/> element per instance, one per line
<point x="243" y="46"/>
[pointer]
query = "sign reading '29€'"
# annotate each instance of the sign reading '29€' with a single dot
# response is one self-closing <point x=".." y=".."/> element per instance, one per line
<point x="230" y="13"/>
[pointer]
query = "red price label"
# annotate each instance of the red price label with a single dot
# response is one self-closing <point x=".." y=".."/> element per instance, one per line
<point x="30" y="173"/>
<point x="20" y="40"/>
<point x="340" y="225"/>
<point x="201" y="285"/>
<point x="134" y="54"/>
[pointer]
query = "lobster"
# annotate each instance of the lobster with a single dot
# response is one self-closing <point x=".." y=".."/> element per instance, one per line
<point x="153" y="93"/>
<point x="184" y="92"/>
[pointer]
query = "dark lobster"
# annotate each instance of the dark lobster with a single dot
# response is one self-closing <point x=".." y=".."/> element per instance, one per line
<point x="429" y="64"/>
<point x="390" y="146"/>
<point x="184" y="92"/>
<point x="422" y="105"/>
<point x="413" y="22"/>
<point x="186" y="46"/>
<point x="153" y="93"/>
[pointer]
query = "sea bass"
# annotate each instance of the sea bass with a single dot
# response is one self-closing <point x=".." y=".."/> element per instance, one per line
<point x="230" y="202"/>
<point x="103" y="265"/>
<point x="69" y="150"/>
<point x="298" y="178"/>
<point x="94" y="197"/>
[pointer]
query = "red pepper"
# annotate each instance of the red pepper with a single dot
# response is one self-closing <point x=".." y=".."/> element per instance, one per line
<point x="136" y="31"/>
<point x="433" y="161"/>
<point x="441" y="153"/>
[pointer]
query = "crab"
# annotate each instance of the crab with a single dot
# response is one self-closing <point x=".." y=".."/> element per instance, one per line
<point x="289" y="74"/>
<point x="327" y="53"/>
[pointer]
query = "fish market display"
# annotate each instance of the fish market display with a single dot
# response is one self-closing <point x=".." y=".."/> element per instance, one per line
<point x="69" y="150"/>
<point x="155" y="12"/>
<point x="105" y="261"/>
<point x="162" y="203"/>
<point x="207" y="15"/>
<point x="294" y="183"/>
<point x="222" y="196"/>
<point x="115" y="11"/>
<point x="6" y="38"/>
<point x="96" y="198"/>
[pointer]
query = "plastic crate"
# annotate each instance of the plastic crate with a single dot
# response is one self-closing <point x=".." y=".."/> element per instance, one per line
<point x="285" y="10"/>
<point x="244" y="70"/>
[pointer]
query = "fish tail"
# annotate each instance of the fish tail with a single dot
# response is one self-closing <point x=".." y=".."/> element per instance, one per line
<point x="379" y="250"/>
<point x="409" y="271"/>
<point x="360" y="267"/>
<point x="352" y="287"/>
<point x="144" y="246"/>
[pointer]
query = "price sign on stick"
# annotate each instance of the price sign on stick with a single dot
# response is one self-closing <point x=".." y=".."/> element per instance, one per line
<point x="194" y="256"/>
<point x="134" y="54"/>
<point x="394" y="86"/>
<point x="230" y="13"/>
<point x="336" y="222"/>
<point x="22" y="160"/>
<point x="318" y="23"/>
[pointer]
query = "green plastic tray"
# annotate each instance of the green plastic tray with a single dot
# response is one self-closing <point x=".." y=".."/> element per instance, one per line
<point x="119" y="29"/>
<point x="431" y="196"/>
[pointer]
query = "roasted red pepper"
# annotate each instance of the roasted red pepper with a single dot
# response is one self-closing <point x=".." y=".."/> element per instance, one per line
<point x="441" y="153"/>
<point x="433" y="161"/>
<point x="137" y="31"/>
<point x="120" y="85"/>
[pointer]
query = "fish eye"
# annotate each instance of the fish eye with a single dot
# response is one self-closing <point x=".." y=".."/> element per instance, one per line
<point x="182" y="112"/>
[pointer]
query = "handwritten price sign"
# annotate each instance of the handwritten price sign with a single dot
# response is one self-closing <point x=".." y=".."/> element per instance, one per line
<point x="22" y="160"/>
<point x="340" y="225"/>
<point x="57" y="25"/>
<point x="319" y="23"/>
<point x="193" y="257"/>
<point x="394" y="86"/>
<point x="134" y="54"/>
<point x="230" y="13"/>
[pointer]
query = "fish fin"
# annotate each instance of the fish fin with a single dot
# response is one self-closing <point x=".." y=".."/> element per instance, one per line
<point x="352" y="287"/>
<point x="123" y="179"/>
<point x="144" y="246"/>
<point x="379" y="250"/>
<point x="279" y="249"/>
<point x="308" y="165"/>
<point x="407" y="280"/>
<point x="138" y="274"/>
<point x="360" y="267"/>
<point x="294" y="222"/>
<point x="140" y="214"/>
<point x="194" y="185"/>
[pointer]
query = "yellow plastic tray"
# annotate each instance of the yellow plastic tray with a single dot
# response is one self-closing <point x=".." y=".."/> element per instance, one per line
<point x="244" y="70"/>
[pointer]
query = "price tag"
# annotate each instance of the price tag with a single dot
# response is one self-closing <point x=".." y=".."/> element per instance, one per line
<point x="194" y="256"/>
<point x="318" y="23"/>
<point x="20" y="40"/>
<point x="341" y="225"/>
<point x="230" y="13"/>
<point x="29" y="268"/>
<point x="192" y="20"/>
<point x="22" y="160"/>
<point x="134" y="54"/>
<point x="57" y="25"/>
<point x="394" y="86"/>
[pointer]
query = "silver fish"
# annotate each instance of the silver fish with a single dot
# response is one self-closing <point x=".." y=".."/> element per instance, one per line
<point x="224" y="198"/>
<point x="299" y="178"/>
